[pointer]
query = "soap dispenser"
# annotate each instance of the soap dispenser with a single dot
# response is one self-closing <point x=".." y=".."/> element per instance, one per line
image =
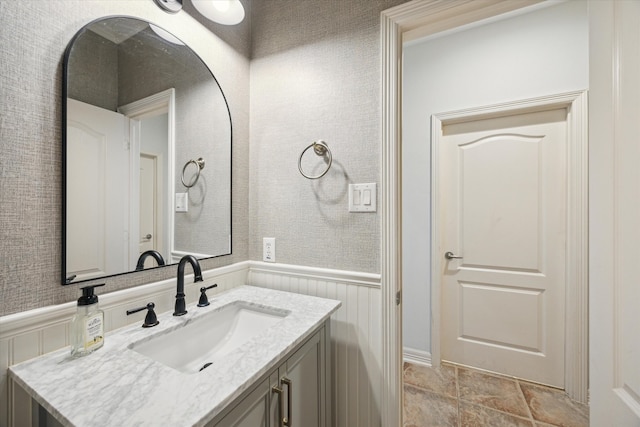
<point x="87" y="326"/>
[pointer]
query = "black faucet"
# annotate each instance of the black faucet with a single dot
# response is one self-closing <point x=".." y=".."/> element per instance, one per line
<point x="155" y="254"/>
<point x="180" y="308"/>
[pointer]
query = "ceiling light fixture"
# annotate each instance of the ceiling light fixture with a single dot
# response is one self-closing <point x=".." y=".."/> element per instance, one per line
<point x="226" y="12"/>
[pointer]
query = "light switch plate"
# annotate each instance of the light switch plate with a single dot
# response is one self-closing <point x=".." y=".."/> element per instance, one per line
<point x="182" y="202"/>
<point x="362" y="197"/>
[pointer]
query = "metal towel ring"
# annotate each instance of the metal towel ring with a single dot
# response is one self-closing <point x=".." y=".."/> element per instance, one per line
<point x="321" y="149"/>
<point x="199" y="164"/>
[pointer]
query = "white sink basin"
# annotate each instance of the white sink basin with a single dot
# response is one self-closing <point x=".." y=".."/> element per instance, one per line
<point x="199" y="343"/>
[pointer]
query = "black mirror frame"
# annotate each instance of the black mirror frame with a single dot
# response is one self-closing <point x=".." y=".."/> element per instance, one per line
<point x="67" y="280"/>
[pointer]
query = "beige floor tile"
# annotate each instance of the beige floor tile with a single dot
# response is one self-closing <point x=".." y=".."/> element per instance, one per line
<point x="485" y="400"/>
<point x="554" y="407"/>
<point x="426" y="409"/>
<point x="472" y="415"/>
<point x="440" y="380"/>
<point x="494" y="392"/>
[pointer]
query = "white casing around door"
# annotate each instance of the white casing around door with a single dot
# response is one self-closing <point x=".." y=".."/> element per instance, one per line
<point x="614" y="212"/>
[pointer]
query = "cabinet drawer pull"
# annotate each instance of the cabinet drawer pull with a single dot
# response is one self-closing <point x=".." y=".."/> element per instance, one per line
<point x="278" y="390"/>
<point x="288" y="383"/>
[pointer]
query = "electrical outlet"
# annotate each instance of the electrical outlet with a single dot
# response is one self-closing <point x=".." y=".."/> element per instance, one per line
<point x="182" y="202"/>
<point x="269" y="249"/>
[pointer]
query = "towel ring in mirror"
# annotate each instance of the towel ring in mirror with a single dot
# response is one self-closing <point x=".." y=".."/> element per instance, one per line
<point x="199" y="165"/>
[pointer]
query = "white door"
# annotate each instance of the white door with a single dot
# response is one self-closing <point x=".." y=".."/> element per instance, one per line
<point x="97" y="183"/>
<point x="614" y="229"/>
<point x="148" y="206"/>
<point x="503" y="194"/>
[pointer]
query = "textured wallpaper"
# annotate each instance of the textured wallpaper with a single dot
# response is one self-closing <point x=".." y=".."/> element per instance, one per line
<point x="94" y="59"/>
<point x="34" y="35"/>
<point x="315" y="74"/>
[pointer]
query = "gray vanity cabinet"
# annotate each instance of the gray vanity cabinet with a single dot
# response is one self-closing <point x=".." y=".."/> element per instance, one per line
<point x="301" y="380"/>
<point x="298" y="387"/>
<point x="254" y="409"/>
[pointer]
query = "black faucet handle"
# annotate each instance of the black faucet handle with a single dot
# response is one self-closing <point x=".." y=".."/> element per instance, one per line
<point x="150" y="319"/>
<point x="204" y="301"/>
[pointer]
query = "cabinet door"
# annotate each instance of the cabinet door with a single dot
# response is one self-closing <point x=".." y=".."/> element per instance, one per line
<point x="253" y="411"/>
<point x="302" y="378"/>
<point x="296" y="391"/>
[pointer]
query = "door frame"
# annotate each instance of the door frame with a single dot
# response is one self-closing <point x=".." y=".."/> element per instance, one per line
<point x="576" y="232"/>
<point x="161" y="102"/>
<point x="408" y="21"/>
<point x="613" y="130"/>
<point x="159" y="200"/>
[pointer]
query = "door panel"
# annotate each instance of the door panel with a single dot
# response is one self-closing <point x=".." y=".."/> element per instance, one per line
<point x="500" y="204"/>
<point x="96" y="245"/>
<point x="491" y="313"/>
<point x="504" y="208"/>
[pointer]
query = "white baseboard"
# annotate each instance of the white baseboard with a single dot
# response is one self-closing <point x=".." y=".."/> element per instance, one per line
<point x="417" y="357"/>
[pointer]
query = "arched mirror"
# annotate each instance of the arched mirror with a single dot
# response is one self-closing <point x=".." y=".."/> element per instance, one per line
<point x="146" y="152"/>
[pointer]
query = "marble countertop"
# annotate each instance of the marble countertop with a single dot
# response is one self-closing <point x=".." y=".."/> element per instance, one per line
<point x="118" y="386"/>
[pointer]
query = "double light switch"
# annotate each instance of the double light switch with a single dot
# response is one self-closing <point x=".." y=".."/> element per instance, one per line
<point x="362" y="197"/>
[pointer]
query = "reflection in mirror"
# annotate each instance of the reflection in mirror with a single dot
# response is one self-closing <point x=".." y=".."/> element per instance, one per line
<point x="139" y="112"/>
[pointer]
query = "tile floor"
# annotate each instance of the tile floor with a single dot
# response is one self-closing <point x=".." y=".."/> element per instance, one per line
<point x="462" y="397"/>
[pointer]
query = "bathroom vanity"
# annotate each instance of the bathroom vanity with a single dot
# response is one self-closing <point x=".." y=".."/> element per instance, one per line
<point x="253" y="357"/>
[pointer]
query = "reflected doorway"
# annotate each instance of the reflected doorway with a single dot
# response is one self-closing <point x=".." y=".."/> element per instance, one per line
<point x="152" y="153"/>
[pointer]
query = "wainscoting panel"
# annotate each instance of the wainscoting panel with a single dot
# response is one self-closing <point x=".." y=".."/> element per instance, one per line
<point x="33" y="333"/>
<point x="356" y="335"/>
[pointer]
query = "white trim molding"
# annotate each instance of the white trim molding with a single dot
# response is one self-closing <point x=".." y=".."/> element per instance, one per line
<point x="390" y="207"/>
<point x="325" y="274"/>
<point x="614" y="199"/>
<point x="417" y="357"/>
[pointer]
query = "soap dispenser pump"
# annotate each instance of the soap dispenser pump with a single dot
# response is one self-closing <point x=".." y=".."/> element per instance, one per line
<point x="87" y="326"/>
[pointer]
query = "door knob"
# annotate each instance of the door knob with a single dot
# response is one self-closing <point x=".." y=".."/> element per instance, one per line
<point x="148" y="236"/>
<point x="450" y="255"/>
